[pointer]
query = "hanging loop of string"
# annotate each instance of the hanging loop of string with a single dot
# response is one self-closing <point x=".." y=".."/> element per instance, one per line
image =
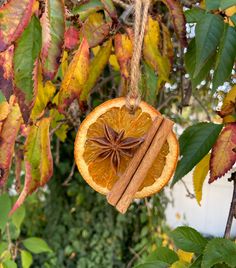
<point x="141" y="15"/>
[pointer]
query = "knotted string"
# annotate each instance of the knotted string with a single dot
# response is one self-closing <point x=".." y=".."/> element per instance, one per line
<point x="141" y="14"/>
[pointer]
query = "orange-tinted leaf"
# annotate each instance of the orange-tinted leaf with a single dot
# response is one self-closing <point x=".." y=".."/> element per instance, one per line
<point x="14" y="17"/>
<point x="223" y="155"/>
<point x="75" y="77"/>
<point x="151" y="52"/>
<point x="9" y="131"/>
<point x="96" y="68"/>
<point x="71" y="37"/>
<point x="95" y="29"/>
<point x="176" y="11"/>
<point x="6" y="72"/>
<point x="38" y="160"/>
<point x="53" y="27"/>
<point x="123" y="50"/>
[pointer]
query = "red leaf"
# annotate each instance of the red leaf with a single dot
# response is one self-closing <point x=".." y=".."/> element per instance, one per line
<point x="38" y="160"/>
<point x="178" y="18"/>
<point x="15" y="16"/>
<point x="71" y="38"/>
<point x="9" y="131"/>
<point x="6" y="72"/>
<point x="223" y="156"/>
<point x="53" y="28"/>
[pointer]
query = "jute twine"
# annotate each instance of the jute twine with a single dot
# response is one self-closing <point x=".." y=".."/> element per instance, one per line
<point x="141" y="14"/>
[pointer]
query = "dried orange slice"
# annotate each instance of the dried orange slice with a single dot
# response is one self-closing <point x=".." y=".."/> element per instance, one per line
<point x="96" y="166"/>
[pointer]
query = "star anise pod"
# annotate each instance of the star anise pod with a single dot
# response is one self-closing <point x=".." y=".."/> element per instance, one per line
<point x="113" y="145"/>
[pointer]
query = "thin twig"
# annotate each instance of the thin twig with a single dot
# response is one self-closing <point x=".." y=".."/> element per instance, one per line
<point x="232" y="209"/>
<point x="189" y="194"/>
<point x="203" y="107"/>
<point x="57" y="160"/>
<point x="56" y="128"/>
<point x="121" y="3"/>
<point x="166" y="102"/>
<point x="69" y="178"/>
<point x="136" y="256"/>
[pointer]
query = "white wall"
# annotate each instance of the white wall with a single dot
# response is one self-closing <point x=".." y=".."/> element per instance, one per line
<point x="211" y="217"/>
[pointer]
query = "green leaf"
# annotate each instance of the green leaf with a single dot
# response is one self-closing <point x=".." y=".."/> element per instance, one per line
<point x="163" y="254"/>
<point x="227" y="3"/>
<point x="5" y="207"/>
<point x="53" y="28"/>
<point x="212" y="4"/>
<point x="3" y="247"/>
<point x="195" y="143"/>
<point x="38" y="160"/>
<point x="9" y="264"/>
<point x="225" y="57"/>
<point x="197" y="263"/>
<point x="88" y="8"/>
<point x="194" y="14"/>
<point x="233" y="19"/>
<point x="18" y="217"/>
<point x="151" y="79"/>
<point x="26" y="259"/>
<point x="190" y="64"/>
<point x="219" y="250"/>
<point x="155" y="264"/>
<point x="36" y="245"/>
<point x="208" y="33"/>
<point x="188" y="239"/>
<point x="179" y="264"/>
<point x="26" y="52"/>
<point x="2" y="97"/>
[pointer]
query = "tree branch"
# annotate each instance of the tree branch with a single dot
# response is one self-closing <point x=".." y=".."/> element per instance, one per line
<point x="232" y="210"/>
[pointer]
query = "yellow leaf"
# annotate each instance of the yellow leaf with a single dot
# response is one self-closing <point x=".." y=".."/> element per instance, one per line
<point x="75" y="77"/>
<point x="151" y="52"/>
<point x="230" y="11"/>
<point x="199" y="175"/>
<point x="96" y="68"/>
<point x="4" y="110"/>
<point x="185" y="256"/>
<point x="114" y="63"/>
<point x="44" y="95"/>
<point x="64" y="62"/>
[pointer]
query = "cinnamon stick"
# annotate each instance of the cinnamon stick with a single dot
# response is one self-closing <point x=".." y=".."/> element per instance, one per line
<point x="121" y="184"/>
<point x="146" y="163"/>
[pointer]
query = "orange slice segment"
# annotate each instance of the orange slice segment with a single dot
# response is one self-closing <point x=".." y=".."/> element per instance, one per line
<point x="99" y="174"/>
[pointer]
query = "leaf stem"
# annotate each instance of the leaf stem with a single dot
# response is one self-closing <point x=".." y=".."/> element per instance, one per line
<point x="232" y="210"/>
